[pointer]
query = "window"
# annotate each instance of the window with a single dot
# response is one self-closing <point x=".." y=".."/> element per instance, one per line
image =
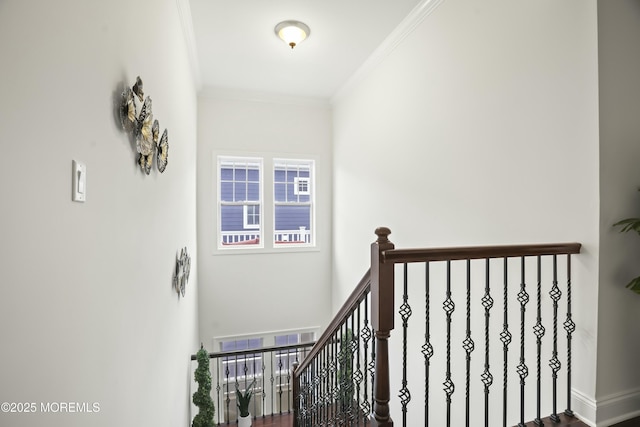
<point x="240" y="201"/>
<point x="286" y="358"/>
<point x="284" y="218"/>
<point x="242" y="367"/>
<point x="293" y="202"/>
<point x="271" y="371"/>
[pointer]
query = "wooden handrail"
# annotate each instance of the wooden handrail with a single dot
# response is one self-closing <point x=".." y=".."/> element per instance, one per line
<point x="354" y="299"/>
<point x="220" y="354"/>
<point x="477" y="252"/>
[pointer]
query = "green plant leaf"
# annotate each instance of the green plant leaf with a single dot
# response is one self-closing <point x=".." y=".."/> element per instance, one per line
<point x="634" y="285"/>
<point x="628" y="225"/>
<point x="243" y="399"/>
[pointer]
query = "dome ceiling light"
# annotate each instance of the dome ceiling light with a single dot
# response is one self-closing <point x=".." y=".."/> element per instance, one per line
<point x="292" y="32"/>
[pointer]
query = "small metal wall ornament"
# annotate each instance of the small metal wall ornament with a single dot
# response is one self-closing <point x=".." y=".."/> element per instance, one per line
<point x="143" y="129"/>
<point x="181" y="274"/>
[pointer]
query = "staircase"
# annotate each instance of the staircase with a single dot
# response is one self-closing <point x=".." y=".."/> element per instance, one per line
<point x="481" y="336"/>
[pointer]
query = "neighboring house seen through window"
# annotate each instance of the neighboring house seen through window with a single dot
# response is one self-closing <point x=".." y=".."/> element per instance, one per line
<point x="243" y="220"/>
<point x="240" y="200"/>
<point x="294" y="202"/>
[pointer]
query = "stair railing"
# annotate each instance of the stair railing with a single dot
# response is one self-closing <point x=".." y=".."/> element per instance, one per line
<point x="345" y="379"/>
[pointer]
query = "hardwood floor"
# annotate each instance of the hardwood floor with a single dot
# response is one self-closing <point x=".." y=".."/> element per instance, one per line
<point x="564" y="421"/>
<point x="285" y="420"/>
<point x="574" y="422"/>
<point x="629" y="423"/>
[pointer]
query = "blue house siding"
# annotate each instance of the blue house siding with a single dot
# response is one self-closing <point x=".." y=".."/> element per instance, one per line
<point x="232" y="218"/>
<point x="293" y="217"/>
<point x="237" y="184"/>
<point x="287" y="217"/>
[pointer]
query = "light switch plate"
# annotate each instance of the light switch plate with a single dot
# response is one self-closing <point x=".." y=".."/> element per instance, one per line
<point x="79" y="182"/>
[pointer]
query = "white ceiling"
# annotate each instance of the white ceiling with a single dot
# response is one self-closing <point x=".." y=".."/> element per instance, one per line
<point x="235" y="46"/>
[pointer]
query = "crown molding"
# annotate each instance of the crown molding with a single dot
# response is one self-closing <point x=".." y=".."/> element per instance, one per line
<point x="184" y="12"/>
<point x="393" y="40"/>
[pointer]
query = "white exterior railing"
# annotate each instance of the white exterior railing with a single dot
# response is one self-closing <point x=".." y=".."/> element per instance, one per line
<point x="302" y="235"/>
<point x="249" y="237"/>
<point x="240" y="237"/>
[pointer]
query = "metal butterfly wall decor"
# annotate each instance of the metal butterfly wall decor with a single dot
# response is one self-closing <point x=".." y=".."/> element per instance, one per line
<point x="143" y="128"/>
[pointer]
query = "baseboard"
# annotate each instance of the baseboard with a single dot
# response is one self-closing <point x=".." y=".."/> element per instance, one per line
<point x="618" y="407"/>
<point x="584" y="407"/>
<point x="607" y="410"/>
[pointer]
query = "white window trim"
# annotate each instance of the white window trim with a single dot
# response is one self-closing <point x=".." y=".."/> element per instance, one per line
<point x="245" y="217"/>
<point x="268" y="162"/>
<point x="296" y="186"/>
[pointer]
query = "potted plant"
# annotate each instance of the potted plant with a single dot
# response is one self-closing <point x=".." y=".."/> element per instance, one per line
<point x="345" y="371"/>
<point x="202" y="397"/>
<point x="630" y="224"/>
<point x="243" y="400"/>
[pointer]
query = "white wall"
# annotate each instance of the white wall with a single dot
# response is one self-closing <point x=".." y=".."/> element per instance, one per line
<point x="618" y="389"/>
<point x="243" y="293"/>
<point x="87" y="308"/>
<point x="480" y="128"/>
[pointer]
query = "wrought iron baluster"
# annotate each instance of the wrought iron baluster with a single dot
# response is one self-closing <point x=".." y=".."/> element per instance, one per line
<point x="310" y="414"/>
<point x="288" y="382"/>
<point x="262" y="384"/>
<point x="218" y="388"/>
<point x="538" y="330"/>
<point x="245" y="371"/>
<point x="405" y="313"/>
<point x="342" y="380"/>
<point x="316" y="388"/>
<point x="334" y="380"/>
<point x="365" y="407"/>
<point x="255" y="376"/>
<point x="324" y="397"/>
<point x="228" y="399"/>
<point x="427" y="348"/>
<point x="302" y="410"/>
<point x="272" y="382"/>
<point x="468" y="346"/>
<point x="317" y="366"/>
<point x="311" y="398"/>
<point x="343" y="373"/>
<point x="522" y="369"/>
<point x="372" y="367"/>
<point x="505" y="337"/>
<point x="280" y="366"/>
<point x="570" y="327"/>
<point x="357" y="376"/>
<point x="318" y="362"/>
<point x="353" y="413"/>
<point x="448" y="307"/>
<point x="487" y="378"/>
<point x="554" y="363"/>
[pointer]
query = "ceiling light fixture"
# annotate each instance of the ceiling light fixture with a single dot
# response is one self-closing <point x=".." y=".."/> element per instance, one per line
<point x="292" y="32"/>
